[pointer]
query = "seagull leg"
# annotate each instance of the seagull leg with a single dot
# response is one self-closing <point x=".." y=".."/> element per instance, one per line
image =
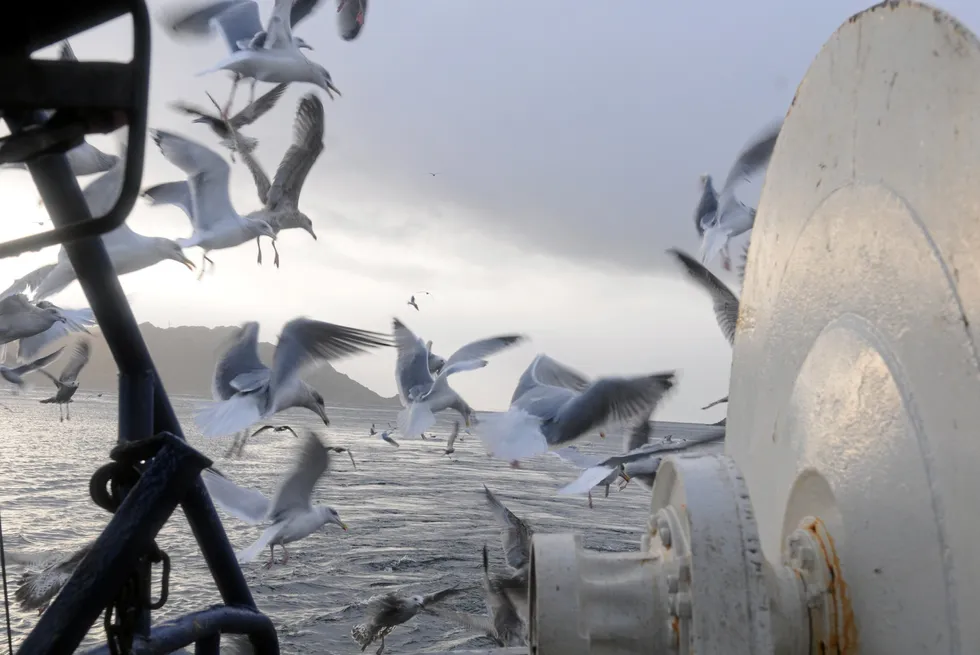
<point x="231" y="96"/>
<point x="268" y="565"/>
<point x="68" y="410"/>
<point x="285" y="552"/>
<point x="607" y="491"/>
<point x="276" y="250"/>
<point x="258" y="242"/>
<point x="590" y="500"/>
<point x="381" y="648"/>
<point x="61" y="414"/>
<point x="251" y="95"/>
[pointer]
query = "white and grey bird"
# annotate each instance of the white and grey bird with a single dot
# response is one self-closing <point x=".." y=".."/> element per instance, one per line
<point x="48" y="575"/>
<point x="385" y="612"/>
<point x="216" y="223"/>
<point x="554" y="406"/>
<point x="238" y="445"/>
<point x="66" y="384"/>
<point x="350" y="18"/>
<point x="385" y="436"/>
<point x="77" y="321"/>
<point x="291" y="511"/>
<point x="723" y="300"/>
<point x="582" y="461"/>
<point x="128" y="251"/>
<point x="421" y="394"/>
<point x="83" y="159"/>
<point x="246" y="391"/>
<point x="280" y="198"/>
<point x="279" y="58"/>
<point x="223" y="127"/>
<point x="730" y="217"/>
<point x="20" y="318"/>
<point x="15" y="374"/>
<point x="503" y="622"/>
<point x="411" y="301"/>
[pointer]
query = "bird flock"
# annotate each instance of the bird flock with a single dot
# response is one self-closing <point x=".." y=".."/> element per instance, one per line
<point x="552" y="407"/>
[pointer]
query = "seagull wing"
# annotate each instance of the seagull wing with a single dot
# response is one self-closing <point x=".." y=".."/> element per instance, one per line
<point x="608" y="399"/>
<point x="296" y="488"/>
<point x="207" y="174"/>
<point x="77" y="359"/>
<point x="302" y="154"/>
<point x="436" y="596"/>
<point x="258" y="108"/>
<point x="301" y="9"/>
<point x="483" y="348"/>
<point x="247" y="505"/>
<point x="707" y="206"/>
<point x="278" y="31"/>
<point x="575" y="457"/>
<point x="743" y="260"/>
<point x="412" y="365"/>
<point x="77" y="320"/>
<point x="753" y="157"/>
<point x="171" y="193"/>
<point x="515" y="535"/>
<point x="262" y="184"/>
<point x="38" y="363"/>
<point x="546" y="371"/>
<point x="241" y="358"/>
<point x="724" y="301"/>
<point x="101" y="193"/>
<point x="304" y="341"/>
<point x="350" y="18"/>
<point x="65" y="53"/>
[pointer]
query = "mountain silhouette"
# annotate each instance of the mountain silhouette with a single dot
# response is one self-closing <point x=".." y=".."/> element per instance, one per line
<point x="185" y="358"/>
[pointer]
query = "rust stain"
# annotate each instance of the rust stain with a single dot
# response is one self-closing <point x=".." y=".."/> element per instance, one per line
<point x="843" y="638"/>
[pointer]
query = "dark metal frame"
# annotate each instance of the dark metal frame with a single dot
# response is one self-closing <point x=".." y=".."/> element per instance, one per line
<point x="91" y="97"/>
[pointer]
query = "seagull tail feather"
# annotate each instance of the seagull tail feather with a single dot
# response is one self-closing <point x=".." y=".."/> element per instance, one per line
<point x="589" y="478"/>
<point x="227" y="416"/>
<point x="512" y="435"/>
<point x="415" y="419"/>
<point x="250" y="553"/>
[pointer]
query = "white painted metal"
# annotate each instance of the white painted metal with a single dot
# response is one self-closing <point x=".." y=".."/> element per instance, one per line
<point x="855" y="389"/>
<point x="854" y="412"/>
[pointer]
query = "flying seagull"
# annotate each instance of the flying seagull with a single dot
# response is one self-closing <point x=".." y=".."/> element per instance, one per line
<point x="730" y="217"/>
<point x="423" y="395"/>
<point x="238" y="445"/>
<point x="67" y="383"/>
<point x="554" y="406"/>
<point x="216" y="223"/>
<point x="280" y="198"/>
<point x="246" y="390"/>
<point x="20" y="319"/>
<point x="76" y="321"/>
<point x="387" y="611"/>
<point x="580" y="460"/>
<point x="251" y="113"/>
<point x="290" y="512"/>
<point x="37" y="588"/>
<point x="15" y="374"/>
<point x="411" y="301"/>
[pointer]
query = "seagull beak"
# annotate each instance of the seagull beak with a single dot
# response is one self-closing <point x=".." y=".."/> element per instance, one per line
<point x="186" y="262"/>
<point x="624" y="475"/>
<point x="312" y="233"/>
<point x="330" y="87"/>
<point x="343" y="525"/>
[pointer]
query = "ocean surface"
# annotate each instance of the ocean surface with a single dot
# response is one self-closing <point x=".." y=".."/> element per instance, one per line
<point x="417" y="519"/>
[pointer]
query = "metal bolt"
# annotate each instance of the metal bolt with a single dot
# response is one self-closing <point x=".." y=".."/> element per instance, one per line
<point x="794" y="547"/>
<point x="672" y="583"/>
<point x="684" y="572"/>
<point x="683" y="605"/>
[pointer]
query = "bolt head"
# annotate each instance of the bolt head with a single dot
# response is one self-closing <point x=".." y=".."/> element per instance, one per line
<point x="684" y="572"/>
<point x="684" y="606"/>
<point x="672" y="584"/>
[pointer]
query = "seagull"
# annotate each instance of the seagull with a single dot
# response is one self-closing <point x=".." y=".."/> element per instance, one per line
<point x="420" y="393"/>
<point x="83" y="159"/>
<point x="386" y="437"/>
<point x="67" y="383"/>
<point x="291" y="512"/>
<point x="220" y="126"/>
<point x="730" y="216"/>
<point x="238" y="445"/>
<point x="247" y="391"/>
<point x="76" y="321"/>
<point x="450" y="443"/>
<point x="38" y="588"/>
<point x="411" y="301"/>
<point x="281" y="197"/>
<point x="239" y="23"/>
<point x="553" y="406"/>
<point x="128" y="251"/>
<point x="278" y="60"/>
<point x="503" y="622"/>
<point x="373" y="431"/>
<point x="286" y="428"/>
<point x="350" y="18"/>
<point x="15" y="375"/>
<point x="20" y="319"/>
<point x="387" y="611"/>
<point x="216" y="223"/>
<point x="640" y="463"/>
<point x="725" y="302"/>
<point x="576" y="458"/>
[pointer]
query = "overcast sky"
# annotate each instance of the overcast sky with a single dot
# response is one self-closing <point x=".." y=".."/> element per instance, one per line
<point x="568" y="137"/>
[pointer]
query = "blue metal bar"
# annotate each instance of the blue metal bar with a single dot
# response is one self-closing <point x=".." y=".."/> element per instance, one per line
<point x="130" y="534"/>
<point x="205" y="626"/>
